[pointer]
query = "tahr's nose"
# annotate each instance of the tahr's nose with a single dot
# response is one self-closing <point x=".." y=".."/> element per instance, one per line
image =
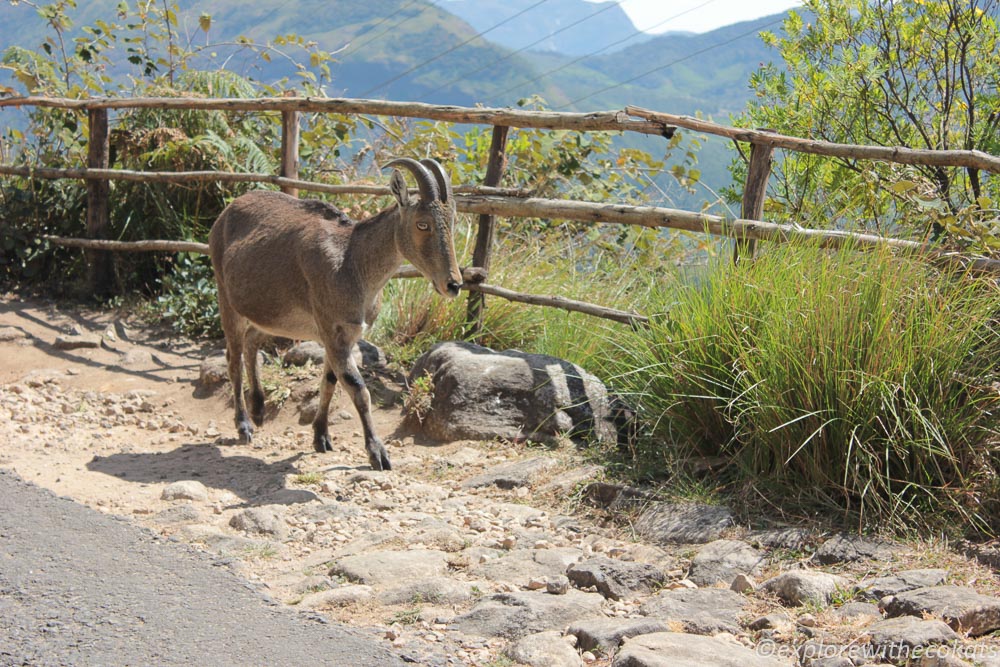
<point x="454" y="287"/>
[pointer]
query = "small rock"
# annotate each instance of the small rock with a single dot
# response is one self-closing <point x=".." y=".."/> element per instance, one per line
<point x="261" y="521"/>
<point x="77" y="342"/>
<point x="674" y="649"/>
<point x="185" y="490"/>
<point x="704" y="611"/>
<point x="304" y="352"/>
<point x="481" y="394"/>
<point x="770" y="622"/>
<point x="392" y="567"/>
<point x="847" y="548"/>
<point x="337" y="597"/>
<point x="520" y="566"/>
<point x="743" y="584"/>
<point x="185" y="513"/>
<point x="781" y="538"/>
<point x="857" y="610"/>
<point x="988" y="554"/>
<point x="962" y="608"/>
<point x="683" y="523"/>
<point x="807" y="621"/>
<point x="805" y="586"/>
<point x="558" y="585"/>
<point x="431" y="590"/>
<point x="616" y="579"/>
<point x="135" y="357"/>
<point x="608" y="633"/>
<point x="511" y="475"/>
<point x="897" y="637"/>
<point x="875" y="589"/>
<point x="567" y="482"/>
<point x="213" y="370"/>
<point x="544" y="649"/>
<point x="523" y="613"/>
<point x="721" y="560"/>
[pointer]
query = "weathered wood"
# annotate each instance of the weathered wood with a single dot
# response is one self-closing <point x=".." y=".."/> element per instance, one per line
<point x="754" y="194"/>
<point x="232" y="177"/>
<point x="486" y="232"/>
<point x="129" y="246"/>
<point x="471" y="275"/>
<point x="563" y="303"/>
<point x="100" y="264"/>
<point x="612" y="121"/>
<point x="290" y="150"/>
<point x="656" y="217"/>
<point x="898" y="154"/>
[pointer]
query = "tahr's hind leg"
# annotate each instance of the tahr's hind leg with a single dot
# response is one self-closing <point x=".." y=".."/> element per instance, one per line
<point x="234" y="327"/>
<point x="321" y="431"/>
<point x="253" y="339"/>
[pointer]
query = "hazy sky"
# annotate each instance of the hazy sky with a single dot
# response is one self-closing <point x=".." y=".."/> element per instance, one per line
<point x="699" y="15"/>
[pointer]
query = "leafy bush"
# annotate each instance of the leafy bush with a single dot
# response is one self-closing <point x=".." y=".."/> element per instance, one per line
<point x="861" y="381"/>
<point x="189" y="298"/>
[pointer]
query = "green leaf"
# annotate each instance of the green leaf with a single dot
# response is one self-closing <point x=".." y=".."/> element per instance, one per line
<point x="900" y="187"/>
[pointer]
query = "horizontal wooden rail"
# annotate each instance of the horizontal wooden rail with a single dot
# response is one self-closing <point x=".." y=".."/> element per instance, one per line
<point x="652" y="216"/>
<point x="230" y="177"/>
<point x="129" y="246"/>
<point x="471" y="276"/>
<point x="611" y="121"/>
<point x="656" y="217"/>
<point x="954" y="158"/>
<point x="625" y="317"/>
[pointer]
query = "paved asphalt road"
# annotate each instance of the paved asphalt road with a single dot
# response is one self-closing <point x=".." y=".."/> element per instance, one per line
<point x="81" y="588"/>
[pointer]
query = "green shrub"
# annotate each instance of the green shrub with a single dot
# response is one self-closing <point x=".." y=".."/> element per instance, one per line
<point x="860" y="381"/>
<point x="189" y="298"/>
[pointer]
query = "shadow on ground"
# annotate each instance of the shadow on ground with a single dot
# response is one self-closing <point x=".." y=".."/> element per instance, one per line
<point x="254" y="481"/>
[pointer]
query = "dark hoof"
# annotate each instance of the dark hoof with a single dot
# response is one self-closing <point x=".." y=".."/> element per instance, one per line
<point x="322" y="444"/>
<point x="378" y="457"/>
<point x="246" y="433"/>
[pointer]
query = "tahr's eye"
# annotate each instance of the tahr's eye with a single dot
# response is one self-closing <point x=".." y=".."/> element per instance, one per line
<point x="423" y="226"/>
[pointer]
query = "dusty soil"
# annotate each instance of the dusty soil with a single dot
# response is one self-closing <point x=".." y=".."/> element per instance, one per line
<point x="112" y="424"/>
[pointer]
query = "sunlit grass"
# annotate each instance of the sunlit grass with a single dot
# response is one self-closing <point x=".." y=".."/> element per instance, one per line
<point x="861" y="382"/>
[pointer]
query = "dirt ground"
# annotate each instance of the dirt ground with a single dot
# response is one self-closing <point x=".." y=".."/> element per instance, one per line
<point x="142" y="384"/>
<point x="108" y="411"/>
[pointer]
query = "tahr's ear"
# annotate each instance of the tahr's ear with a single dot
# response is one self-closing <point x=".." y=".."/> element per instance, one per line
<point x="399" y="189"/>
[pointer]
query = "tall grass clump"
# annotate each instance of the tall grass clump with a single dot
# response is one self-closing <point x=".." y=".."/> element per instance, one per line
<point x="858" y="381"/>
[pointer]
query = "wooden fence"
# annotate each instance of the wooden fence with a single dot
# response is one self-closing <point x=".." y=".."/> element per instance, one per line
<point x="487" y="200"/>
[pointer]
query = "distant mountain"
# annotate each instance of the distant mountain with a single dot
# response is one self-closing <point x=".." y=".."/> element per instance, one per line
<point x="430" y="51"/>
<point x="570" y="27"/>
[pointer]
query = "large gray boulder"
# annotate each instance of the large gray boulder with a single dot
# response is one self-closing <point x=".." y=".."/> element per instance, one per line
<point x="479" y="394"/>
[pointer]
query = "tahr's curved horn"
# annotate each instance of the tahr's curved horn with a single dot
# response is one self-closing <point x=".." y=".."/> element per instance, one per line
<point x="425" y="180"/>
<point x="443" y="180"/>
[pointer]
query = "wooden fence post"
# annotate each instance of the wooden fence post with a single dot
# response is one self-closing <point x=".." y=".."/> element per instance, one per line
<point x="100" y="267"/>
<point x="754" y="193"/>
<point x="290" y="147"/>
<point x="484" y="237"/>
